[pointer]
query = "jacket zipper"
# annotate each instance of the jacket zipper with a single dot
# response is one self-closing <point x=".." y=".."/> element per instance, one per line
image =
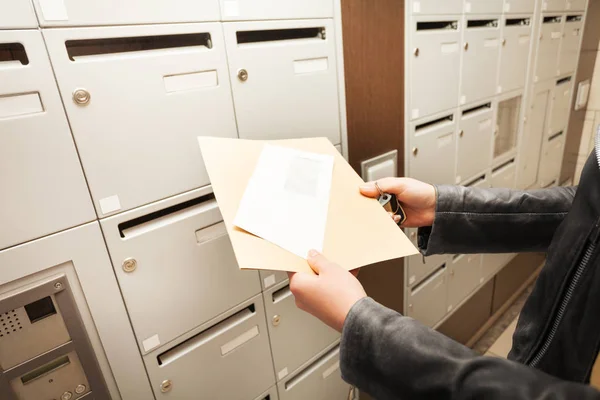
<point x="589" y="251"/>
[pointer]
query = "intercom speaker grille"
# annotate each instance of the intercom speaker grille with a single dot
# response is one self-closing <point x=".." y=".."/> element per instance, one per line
<point x="10" y="323"/>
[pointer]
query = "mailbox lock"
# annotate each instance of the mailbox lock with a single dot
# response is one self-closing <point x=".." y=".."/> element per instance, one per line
<point x="461" y="133"/>
<point x="80" y="389"/>
<point x="129" y="265"/>
<point x="66" y="396"/>
<point x="81" y="97"/>
<point x="413" y="235"/>
<point x="166" y="386"/>
<point x="416" y="52"/>
<point x="415" y="151"/>
<point x="410" y="306"/>
<point x="243" y="75"/>
<point x="466" y="46"/>
<point x="503" y="42"/>
<point x="58" y="286"/>
<point x="276" y="320"/>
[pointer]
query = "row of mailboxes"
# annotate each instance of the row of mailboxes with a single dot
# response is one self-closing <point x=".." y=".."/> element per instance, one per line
<point x="42" y="180"/>
<point x="234" y="347"/>
<point x="559" y="42"/>
<point x="52" y="13"/>
<point x="547" y="118"/>
<point x="462" y="149"/>
<point x="432" y="7"/>
<point x="137" y="127"/>
<point x="494" y="54"/>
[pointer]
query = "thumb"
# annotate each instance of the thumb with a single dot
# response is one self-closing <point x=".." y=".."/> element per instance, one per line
<point x="317" y="261"/>
<point x="387" y="185"/>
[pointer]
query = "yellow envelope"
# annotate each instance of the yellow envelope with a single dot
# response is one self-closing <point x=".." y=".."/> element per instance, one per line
<point x="359" y="231"/>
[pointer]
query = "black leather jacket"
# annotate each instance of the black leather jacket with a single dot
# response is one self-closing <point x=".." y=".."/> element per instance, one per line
<point x="558" y="334"/>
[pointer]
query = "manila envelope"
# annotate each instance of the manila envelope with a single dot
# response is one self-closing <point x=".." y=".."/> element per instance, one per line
<point x="359" y="231"/>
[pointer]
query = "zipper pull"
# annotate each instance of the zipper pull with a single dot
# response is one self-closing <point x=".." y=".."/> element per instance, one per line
<point x="595" y="235"/>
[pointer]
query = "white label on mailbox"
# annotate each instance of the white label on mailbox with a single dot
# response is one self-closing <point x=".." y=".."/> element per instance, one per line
<point x="20" y="104"/>
<point x="331" y="369"/>
<point x="269" y="280"/>
<point x="463" y="99"/>
<point x="468" y="7"/>
<point x="411" y="280"/>
<point x="448" y="48"/>
<point x="524" y="39"/>
<point x="507" y="7"/>
<point x="240" y="340"/>
<point x="311" y="65"/>
<point x="485" y="124"/>
<point x="556" y="35"/>
<point x="416" y="6"/>
<point x="110" y="204"/>
<point x="499" y="89"/>
<point x="231" y="8"/>
<point x="445" y="140"/>
<point x="282" y="374"/>
<point x="491" y="42"/>
<point x="415" y="113"/>
<point x="54" y="10"/>
<point x="191" y="80"/>
<point x="545" y="6"/>
<point x="151" y="343"/>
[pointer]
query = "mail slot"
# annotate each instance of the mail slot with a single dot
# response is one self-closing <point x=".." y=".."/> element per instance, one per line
<point x="124" y="12"/>
<point x="226" y="358"/>
<point x="533" y="134"/>
<point x="17" y="14"/>
<point x="551" y="159"/>
<point x="569" y="50"/>
<point x="43" y="187"/>
<point x="476" y="129"/>
<point x="481" y="50"/>
<point x="419" y="266"/>
<point x="433" y="139"/>
<point x="548" y="48"/>
<point x="483" y="6"/>
<point x="463" y="278"/>
<point x="175" y="266"/>
<point x="503" y="176"/>
<point x="270" y="278"/>
<point x="319" y="380"/>
<point x="427" y="301"/>
<point x="132" y="156"/>
<point x="278" y="68"/>
<point x="561" y="105"/>
<point x="288" y="324"/>
<point x="514" y="53"/>
<point x="256" y="10"/>
<point x="433" y="7"/>
<point x="519" y="6"/>
<point x="434" y="65"/>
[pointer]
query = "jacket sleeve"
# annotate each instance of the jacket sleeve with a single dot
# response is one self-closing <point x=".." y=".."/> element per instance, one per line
<point x="474" y="220"/>
<point x="391" y="356"/>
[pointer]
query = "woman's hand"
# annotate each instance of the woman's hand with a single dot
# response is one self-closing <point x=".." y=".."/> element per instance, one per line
<point x="330" y="294"/>
<point x="417" y="198"/>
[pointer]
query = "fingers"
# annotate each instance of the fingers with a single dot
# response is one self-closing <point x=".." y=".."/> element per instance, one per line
<point x="317" y="261"/>
<point x="387" y="185"/>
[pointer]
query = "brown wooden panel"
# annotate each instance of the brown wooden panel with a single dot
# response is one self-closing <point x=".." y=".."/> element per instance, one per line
<point x="384" y="282"/>
<point x="512" y="277"/>
<point x="471" y="316"/>
<point x="373" y="33"/>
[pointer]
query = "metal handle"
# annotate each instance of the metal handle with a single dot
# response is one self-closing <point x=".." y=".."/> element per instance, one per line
<point x="413" y="235"/>
<point x="503" y="42"/>
<point x="466" y="46"/>
<point x="242" y="75"/>
<point x="81" y="97"/>
<point x="166" y="386"/>
<point x="415" y="151"/>
<point x="416" y="52"/>
<point x="451" y="272"/>
<point x="461" y="133"/>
